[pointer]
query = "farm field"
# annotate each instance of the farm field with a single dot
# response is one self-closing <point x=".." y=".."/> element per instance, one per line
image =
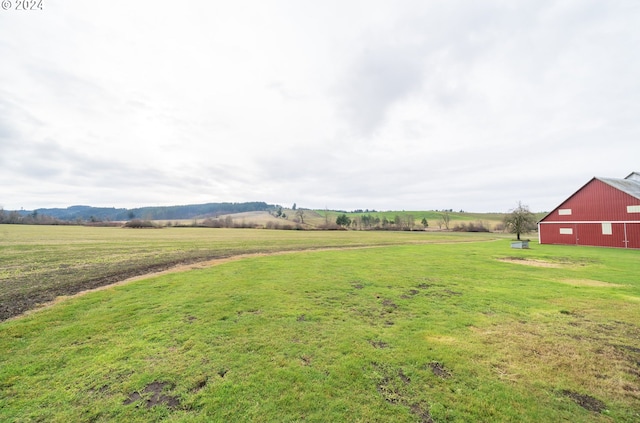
<point x="322" y="218"/>
<point x="427" y="327"/>
<point x="39" y="263"/>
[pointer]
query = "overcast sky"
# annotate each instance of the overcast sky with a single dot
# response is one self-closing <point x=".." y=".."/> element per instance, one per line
<point x="386" y="105"/>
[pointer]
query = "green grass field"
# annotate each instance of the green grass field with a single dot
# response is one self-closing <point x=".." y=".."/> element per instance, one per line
<point x="38" y="263"/>
<point x="440" y="327"/>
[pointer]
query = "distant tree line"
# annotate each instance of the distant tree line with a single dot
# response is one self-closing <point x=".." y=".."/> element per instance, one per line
<point x="519" y="220"/>
<point x="105" y="214"/>
<point x="32" y="218"/>
<point x="373" y="222"/>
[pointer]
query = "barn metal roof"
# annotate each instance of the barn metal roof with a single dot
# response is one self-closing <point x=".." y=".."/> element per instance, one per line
<point x="634" y="176"/>
<point x="630" y="186"/>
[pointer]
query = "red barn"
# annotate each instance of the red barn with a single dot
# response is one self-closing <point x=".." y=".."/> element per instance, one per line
<point x="605" y="212"/>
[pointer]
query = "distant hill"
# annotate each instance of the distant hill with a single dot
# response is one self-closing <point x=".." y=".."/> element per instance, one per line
<point x="191" y="211"/>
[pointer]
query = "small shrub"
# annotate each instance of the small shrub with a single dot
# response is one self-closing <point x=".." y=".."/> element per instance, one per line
<point x="279" y="226"/>
<point x="140" y="224"/>
<point x="212" y="223"/>
<point x="331" y="227"/>
<point x="471" y="227"/>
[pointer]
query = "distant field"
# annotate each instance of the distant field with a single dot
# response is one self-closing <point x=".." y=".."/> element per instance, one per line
<point x="444" y="328"/>
<point x="490" y="220"/>
<point x="321" y="218"/>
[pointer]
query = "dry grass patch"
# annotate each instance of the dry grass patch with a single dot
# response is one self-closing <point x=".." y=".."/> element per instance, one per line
<point x="589" y="282"/>
<point x="581" y="355"/>
<point x="442" y="339"/>
<point x="529" y="262"/>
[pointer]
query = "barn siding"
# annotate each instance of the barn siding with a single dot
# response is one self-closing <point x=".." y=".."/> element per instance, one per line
<point x="591" y="234"/>
<point x="633" y="235"/>
<point x="596" y="201"/>
<point x="585" y="211"/>
<point x="551" y="234"/>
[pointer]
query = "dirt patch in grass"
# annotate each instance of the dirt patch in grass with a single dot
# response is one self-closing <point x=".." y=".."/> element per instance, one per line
<point x="378" y="344"/>
<point x="589" y="282"/>
<point x="529" y="262"/>
<point x="421" y="411"/>
<point x="585" y="401"/>
<point x="428" y="282"/>
<point x="410" y="294"/>
<point x="153" y="395"/>
<point x="439" y="370"/>
<point x="389" y="303"/>
<point x="200" y="384"/>
<point x="393" y="386"/>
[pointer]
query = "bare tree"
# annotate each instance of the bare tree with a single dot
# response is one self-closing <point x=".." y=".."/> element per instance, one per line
<point x="397" y="220"/>
<point x="520" y="220"/>
<point x="445" y="219"/>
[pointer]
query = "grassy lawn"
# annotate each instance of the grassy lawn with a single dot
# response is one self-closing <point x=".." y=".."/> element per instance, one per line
<point x="443" y="332"/>
<point x="38" y="263"/>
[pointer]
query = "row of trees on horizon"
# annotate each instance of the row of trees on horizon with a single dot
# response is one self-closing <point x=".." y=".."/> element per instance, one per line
<point x="519" y="220"/>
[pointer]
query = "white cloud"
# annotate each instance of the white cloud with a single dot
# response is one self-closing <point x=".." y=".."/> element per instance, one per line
<point x="405" y="105"/>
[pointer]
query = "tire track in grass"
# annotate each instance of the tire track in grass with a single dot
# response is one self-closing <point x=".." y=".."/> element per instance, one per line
<point x="184" y="267"/>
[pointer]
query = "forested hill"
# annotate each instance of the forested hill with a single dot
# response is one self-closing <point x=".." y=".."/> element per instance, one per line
<point x="190" y="211"/>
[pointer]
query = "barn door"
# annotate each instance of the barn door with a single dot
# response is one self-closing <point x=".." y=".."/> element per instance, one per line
<point x="626" y="237"/>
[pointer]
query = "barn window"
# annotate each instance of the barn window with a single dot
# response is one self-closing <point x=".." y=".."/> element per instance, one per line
<point x="566" y="231"/>
<point x="633" y="209"/>
<point x="606" y="228"/>
<point x="564" y="212"/>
